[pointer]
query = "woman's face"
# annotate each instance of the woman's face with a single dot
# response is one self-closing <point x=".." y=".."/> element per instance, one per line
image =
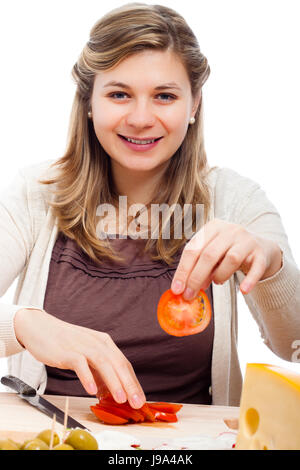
<point x="135" y="107"/>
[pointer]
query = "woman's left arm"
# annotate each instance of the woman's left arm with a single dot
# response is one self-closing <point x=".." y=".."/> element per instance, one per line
<point x="252" y="246"/>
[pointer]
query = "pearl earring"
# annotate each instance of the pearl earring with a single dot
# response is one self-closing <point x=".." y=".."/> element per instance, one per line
<point x="90" y="114"/>
<point x="192" y="120"/>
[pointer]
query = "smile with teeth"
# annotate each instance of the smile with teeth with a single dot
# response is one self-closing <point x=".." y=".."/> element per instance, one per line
<point x="141" y="142"/>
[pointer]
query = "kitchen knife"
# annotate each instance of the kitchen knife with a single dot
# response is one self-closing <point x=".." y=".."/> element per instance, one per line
<point x="29" y="394"/>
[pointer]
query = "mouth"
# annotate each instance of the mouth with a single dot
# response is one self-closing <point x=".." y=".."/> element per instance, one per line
<point x="144" y="141"/>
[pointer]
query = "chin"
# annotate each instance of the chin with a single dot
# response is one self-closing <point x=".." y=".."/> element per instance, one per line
<point x="141" y="167"/>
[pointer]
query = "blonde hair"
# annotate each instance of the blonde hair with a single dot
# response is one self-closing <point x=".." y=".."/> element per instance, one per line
<point x="84" y="177"/>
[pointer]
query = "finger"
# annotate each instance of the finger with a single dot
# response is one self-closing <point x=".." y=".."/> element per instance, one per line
<point x="124" y="371"/>
<point x="190" y="255"/>
<point x="79" y="364"/>
<point x="101" y="385"/>
<point x="233" y="259"/>
<point x="254" y="275"/>
<point x="208" y="260"/>
<point x="207" y="283"/>
<point x="108" y="375"/>
<point x="135" y="393"/>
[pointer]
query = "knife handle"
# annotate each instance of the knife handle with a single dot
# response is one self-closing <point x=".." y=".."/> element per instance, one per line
<point x="18" y="385"/>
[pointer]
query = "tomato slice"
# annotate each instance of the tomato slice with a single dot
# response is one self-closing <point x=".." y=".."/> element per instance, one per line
<point x="120" y="411"/>
<point x="162" y="416"/>
<point x="180" y="317"/>
<point x="124" y="410"/>
<point x="166" y="407"/>
<point x="147" y="412"/>
<point x="111" y="412"/>
<point x="106" y="417"/>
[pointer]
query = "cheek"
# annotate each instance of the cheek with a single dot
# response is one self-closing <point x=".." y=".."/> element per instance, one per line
<point x="177" y="128"/>
<point x="103" y="126"/>
<point x="175" y="120"/>
<point x="106" y="118"/>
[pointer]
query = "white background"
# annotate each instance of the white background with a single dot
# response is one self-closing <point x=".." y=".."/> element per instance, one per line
<point x="251" y="99"/>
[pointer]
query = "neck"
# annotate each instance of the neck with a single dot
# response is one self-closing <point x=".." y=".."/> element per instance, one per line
<point x="138" y="186"/>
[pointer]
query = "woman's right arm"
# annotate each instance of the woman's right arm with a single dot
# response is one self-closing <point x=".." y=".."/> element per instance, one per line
<point x="16" y="243"/>
<point x="93" y="355"/>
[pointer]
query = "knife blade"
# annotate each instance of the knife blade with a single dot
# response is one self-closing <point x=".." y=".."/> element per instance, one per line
<point x="28" y="393"/>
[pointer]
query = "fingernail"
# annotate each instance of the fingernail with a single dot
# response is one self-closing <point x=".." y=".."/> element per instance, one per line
<point x="137" y="400"/>
<point x="188" y="293"/>
<point x="120" y="396"/>
<point x="245" y="287"/>
<point x="93" y="389"/>
<point x="177" y="287"/>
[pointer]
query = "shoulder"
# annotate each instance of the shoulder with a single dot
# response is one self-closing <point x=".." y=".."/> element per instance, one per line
<point x="223" y="179"/>
<point x="34" y="172"/>
<point x="32" y="175"/>
<point x="231" y="191"/>
<point x="228" y="184"/>
<point x="35" y="194"/>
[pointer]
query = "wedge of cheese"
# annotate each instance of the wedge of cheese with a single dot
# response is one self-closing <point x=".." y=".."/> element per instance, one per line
<point x="269" y="409"/>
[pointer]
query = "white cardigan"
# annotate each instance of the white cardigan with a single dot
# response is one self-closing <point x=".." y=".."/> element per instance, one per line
<point x="28" y="232"/>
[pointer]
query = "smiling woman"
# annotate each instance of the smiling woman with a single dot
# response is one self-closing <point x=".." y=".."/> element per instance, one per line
<point x="170" y="170"/>
<point x="143" y="120"/>
<point x="85" y="317"/>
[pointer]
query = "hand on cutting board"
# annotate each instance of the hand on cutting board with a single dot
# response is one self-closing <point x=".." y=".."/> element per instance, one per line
<point x="220" y="249"/>
<point x="93" y="355"/>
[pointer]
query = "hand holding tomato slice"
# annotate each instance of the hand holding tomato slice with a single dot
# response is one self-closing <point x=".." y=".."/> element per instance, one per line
<point x="217" y="251"/>
<point x="180" y="317"/>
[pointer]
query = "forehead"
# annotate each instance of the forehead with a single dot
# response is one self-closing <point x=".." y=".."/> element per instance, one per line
<point x="148" y="68"/>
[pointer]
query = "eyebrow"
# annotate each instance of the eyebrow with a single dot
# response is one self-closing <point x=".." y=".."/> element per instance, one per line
<point x="160" y="87"/>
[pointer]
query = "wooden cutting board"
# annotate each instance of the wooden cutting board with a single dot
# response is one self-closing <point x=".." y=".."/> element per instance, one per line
<point x="21" y="421"/>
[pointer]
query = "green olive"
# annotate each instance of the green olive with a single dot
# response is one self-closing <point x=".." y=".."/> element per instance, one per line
<point x="36" y="444"/>
<point x="81" y="440"/>
<point x="46" y="437"/>
<point x="63" y="447"/>
<point x="8" y="444"/>
<point x="24" y="444"/>
<point x="15" y="443"/>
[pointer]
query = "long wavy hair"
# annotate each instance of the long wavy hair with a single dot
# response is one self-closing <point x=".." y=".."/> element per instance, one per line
<point x="83" y="179"/>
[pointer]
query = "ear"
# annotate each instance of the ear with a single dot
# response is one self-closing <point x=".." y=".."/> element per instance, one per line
<point x="196" y="102"/>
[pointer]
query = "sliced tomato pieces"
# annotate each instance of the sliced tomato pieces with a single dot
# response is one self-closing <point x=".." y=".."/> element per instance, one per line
<point x="122" y="409"/>
<point x="162" y="416"/>
<point x="180" y="317"/>
<point x="147" y="412"/>
<point x="111" y="412"/>
<point x="106" y="417"/>
<point x="165" y="406"/>
<point x="121" y="412"/>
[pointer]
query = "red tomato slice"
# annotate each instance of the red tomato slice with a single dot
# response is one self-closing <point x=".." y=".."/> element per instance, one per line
<point x="124" y="410"/>
<point x="118" y="411"/>
<point x="107" y="398"/>
<point x="147" y="412"/>
<point x="162" y="416"/>
<point x="180" y="317"/>
<point x="106" y="417"/>
<point x="111" y="412"/>
<point x="166" y="407"/>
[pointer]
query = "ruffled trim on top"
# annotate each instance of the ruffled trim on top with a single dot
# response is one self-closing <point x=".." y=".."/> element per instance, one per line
<point x="67" y="250"/>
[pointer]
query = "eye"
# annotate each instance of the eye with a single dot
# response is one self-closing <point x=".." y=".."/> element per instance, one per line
<point x="168" y="95"/>
<point x="112" y="95"/>
<point x="121" y="93"/>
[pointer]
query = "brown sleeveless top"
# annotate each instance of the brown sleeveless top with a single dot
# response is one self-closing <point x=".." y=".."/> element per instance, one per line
<point x="121" y="300"/>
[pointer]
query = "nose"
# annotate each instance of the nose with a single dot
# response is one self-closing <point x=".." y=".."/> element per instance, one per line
<point x="141" y="115"/>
